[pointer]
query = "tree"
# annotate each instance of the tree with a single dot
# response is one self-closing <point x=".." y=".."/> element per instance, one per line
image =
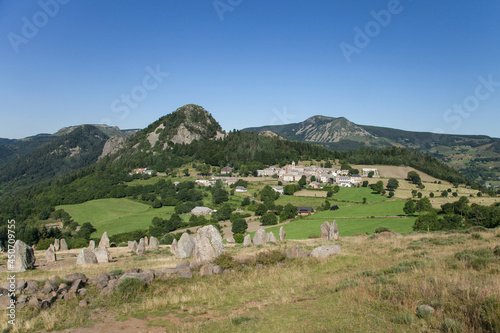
<point x="378" y="187"/>
<point x="302" y="181"/>
<point x="219" y="195"/>
<point x="269" y="219"/>
<point x="328" y="164"/>
<point x="288" y="212"/>
<point x="364" y="200"/>
<point x="419" y="195"/>
<point x="391" y="194"/>
<point x="431" y="195"/>
<point x="86" y="230"/>
<point x="239" y="226"/>
<point x="268" y="195"/>
<point x="223" y="213"/>
<point x="423" y="205"/>
<point x="186" y="172"/>
<point x="371" y="174"/>
<point x="326" y="205"/>
<point x="444" y="194"/>
<point x="392" y="184"/>
<point x="290" y="189"/>
<point x="427" y="222"/>
<point x="261" y="209"/>
<point x="365" y="183"/>
<point x="245" y="202"/>
<point x="409" y="207"/>
<point x="414" y="177"/>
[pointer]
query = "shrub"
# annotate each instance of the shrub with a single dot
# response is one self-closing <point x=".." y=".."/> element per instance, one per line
<point x="269" y="219"/>
<point x="167" y="239"/>
<point x="476" y="259"/>
<point x="116" y="272"/>
<point x="490" y="315"/>
<point x="129" y="288"/>
<point x="270" y="257"/>
<point x="44" y="244"/>
<point x="476" y="236"/>
<point x="381" y="229"/>
<point x="238" y="238"/>
<point x="226" y="261"/>
<point x="345" y="284"/>
<point x="77" y="243"/>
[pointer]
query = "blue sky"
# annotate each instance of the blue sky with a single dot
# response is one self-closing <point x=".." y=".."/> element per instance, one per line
<point x="423" y="65"/>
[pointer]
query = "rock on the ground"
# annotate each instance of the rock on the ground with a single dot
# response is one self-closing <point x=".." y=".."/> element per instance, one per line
<point x="86" y="257"/>
<point x="247" y="241"/>
<point x="230" y="240"/>
<point x="154" y="243"/>
<point x="208" y="244"/>
<point x="104" y="242"/>
<point x="325" y="251"/>
<point x="62" y="245"/>
<point x="260" y="237"/>
<point x="102" y="255"/>
<point x="141" y="248"/>
<point x="185" y="246"/>
<point x="76" y="276"/>
<point x="132" y="245"/>
<point x="91" y="245"/>
<point x="173" y="247"/>
<point x="333" y="233"/>
<point x="50" y="254"/>
<point x="57" y="244"/>
<point x="206" y="270"/>
<point x="147" y="277"/>
<point x="24" y="258"/>
<point x="282" y="234"/>
<point x="325" y="230"/>
<point x="272" y="238"/>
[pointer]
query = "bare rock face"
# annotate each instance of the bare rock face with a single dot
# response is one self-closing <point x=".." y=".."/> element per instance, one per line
<point x="271" y="237"/>
<point x="185" y="247"/>
<point x="154" y="243"/>
<point x="208" y="244"/>
<point x="50" y="254"/>
<point x="86" y="257"/>
<point x="247" y="241"/>
<point x="325" y="251"/>
<point x="260" y="237"/>
<point x="91" y="245"/>
<point x="333" y="233"/>
<point x="104" y="240"/>
<point x="141" y="248"/>
<point x="63" y="246"/>
<point x="282" y="234"/>
<point x="132" y="245"/>
<point x="325" y="230"/>
<point x="24" y="257"/>
<point x="56" y="244"/>
<point x="102" y="255"/>
<point x="173" y="247"/>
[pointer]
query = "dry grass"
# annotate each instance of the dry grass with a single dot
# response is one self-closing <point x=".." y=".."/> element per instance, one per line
<point x="374" y="285"/>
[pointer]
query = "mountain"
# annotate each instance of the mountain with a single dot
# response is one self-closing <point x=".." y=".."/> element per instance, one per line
<point x="37" y="159"/>
<point x="477" y="156"/>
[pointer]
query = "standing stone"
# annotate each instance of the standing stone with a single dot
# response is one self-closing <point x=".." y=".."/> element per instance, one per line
<point x="247" y="241"/>
<point x="154" y="243"/>
<point x="132" y="245"/>
<point x="173" y="247"/>
<point x="24" y="257"/>
<point x="50" y="254"/>
<point x="272" y="238"/>
<point x="86" y="257"/>
<point x="141" y="248"/>
<point x="185" y="247"/>
<point x="208" y="244"/>
<point x="91" y="245"/>
<point x="333" y="232"/>
<point x="230" y="240"/>
<point x="56" y="244"/>
<point x="260" y="237"/>
<point x="104" y="240"/>
<point x="325" y="230"/>
<point x="146" y="242"/>
<point x="102" y="255"/>
<point x="282" y="234"/>
<point x="63" y="246"/>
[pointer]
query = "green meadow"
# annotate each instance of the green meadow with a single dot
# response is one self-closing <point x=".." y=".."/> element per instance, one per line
<point x="386" y="208"/>
<point x="355" y="194"/>
<point x="115" y="215"/>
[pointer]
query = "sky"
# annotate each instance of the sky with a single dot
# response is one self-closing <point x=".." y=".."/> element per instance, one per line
<point x="422" y="65"/>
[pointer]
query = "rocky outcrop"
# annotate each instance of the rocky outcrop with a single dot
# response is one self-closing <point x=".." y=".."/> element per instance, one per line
<point x="50" y="254"/>
<point x="154" y="243"/>
<point x="63" y="246"/>
<point x="247" y="241"/>
<point x="208" y="244"/>
<point x="86" y="257"/>
<point x="104" y="240"/>
<point x="24" y="257"/>
<point x="141" y="248"/>
<point x="260" y="237"/>
<point x="185" y="246"/>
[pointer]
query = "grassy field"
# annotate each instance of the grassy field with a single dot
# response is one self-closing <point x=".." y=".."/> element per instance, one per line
<point x="387" y="208"/>
<point x="115" y="215"/>
<point x="305" y="228"/>
<point x="354" y="194"/>
<point x="374" y="285"/>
